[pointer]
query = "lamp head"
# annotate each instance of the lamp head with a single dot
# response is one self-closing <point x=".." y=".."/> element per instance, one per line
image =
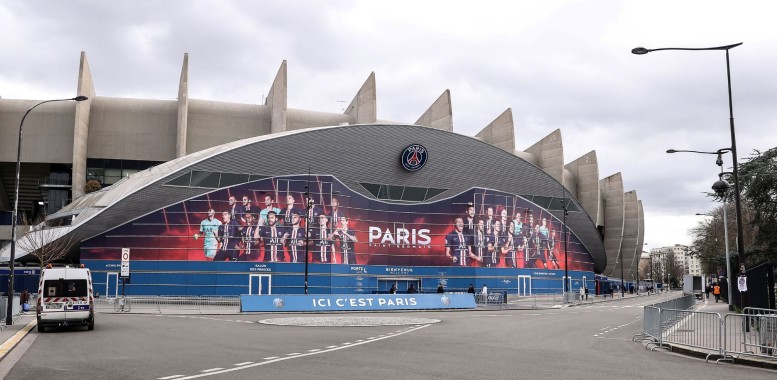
<point x="639" y="51"/>
<point x="80" y="98"/>
<point x="720" y="187"/>
<point x="671" y="151"/>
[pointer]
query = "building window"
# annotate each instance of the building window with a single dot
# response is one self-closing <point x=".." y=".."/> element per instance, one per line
<point x="108" y="171"/>
<point x="401" y="193"/>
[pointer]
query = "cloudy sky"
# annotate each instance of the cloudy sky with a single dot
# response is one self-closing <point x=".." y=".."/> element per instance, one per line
<point x="557" y="64"/>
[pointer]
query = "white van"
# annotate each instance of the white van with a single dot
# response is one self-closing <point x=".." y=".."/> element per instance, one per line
<point x="65" y="298"/>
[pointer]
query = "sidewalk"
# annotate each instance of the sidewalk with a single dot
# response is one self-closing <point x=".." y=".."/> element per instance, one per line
<point x="11" y="335"/>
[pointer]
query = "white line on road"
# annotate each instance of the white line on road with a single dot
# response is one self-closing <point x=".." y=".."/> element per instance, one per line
<point x="169" y="377"/>
<point x="212" y="369"/>
<point x="271" y="358"/>
<point x="293" y="354"/>
<point x="244" y="363"/>
<point x="276" y="359"/>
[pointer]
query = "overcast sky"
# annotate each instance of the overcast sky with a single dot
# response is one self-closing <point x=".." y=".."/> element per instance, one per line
<point x="558" y="64"/>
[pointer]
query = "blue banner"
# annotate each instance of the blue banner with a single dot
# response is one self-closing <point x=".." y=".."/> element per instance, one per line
<point x="349" y="302"/>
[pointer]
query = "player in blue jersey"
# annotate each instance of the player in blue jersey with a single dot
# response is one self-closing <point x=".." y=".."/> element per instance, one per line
<point x="324" y="248"/>
<point x="346" y="239"/>
<point x="244" y="209"/>
<point x="208" y="230"/>
<point x="479" y="248"/>
<point x="295" y="242"/>
<point x="335" y="212"/>
<point x="494" y="243"/>
<point x="273" y="237"/>
<point x="285" y="216"/>
<point x="228" y="237"/>
<point x="250" y="246"/>
<point x="458" y="245"/>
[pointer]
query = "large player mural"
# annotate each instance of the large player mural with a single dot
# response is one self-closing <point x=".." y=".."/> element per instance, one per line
<point x="265" y="221"/>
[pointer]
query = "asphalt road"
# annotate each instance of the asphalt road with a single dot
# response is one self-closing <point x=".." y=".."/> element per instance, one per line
<point x="569" y="343"/>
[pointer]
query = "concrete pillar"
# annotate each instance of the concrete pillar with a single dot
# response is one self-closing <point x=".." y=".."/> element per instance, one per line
<point x="363" y="108"/>
<point x="81" y="127"/>
<point x="183" y="108"/>
<point x="439" y="115"/>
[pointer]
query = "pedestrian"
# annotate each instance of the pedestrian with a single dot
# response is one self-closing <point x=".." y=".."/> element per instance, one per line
<point x="440" y="289"/>
<point x="582" y="292"/>
<point x="24" y="300"/>
<point x="707" y="291"/>
<point x="586" y="292"/>
<point x="471" y="289"/>
<point x="716" y="292"/>
<point x="393" y="289"/>
<point x="411" y="289"/>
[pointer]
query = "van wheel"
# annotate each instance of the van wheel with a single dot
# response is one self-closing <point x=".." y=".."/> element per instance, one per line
<point x="41" y="329"/>
<point x="90" y="326"/>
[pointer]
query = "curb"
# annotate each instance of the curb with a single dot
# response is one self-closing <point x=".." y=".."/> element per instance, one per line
<point x="13" y="341"/>
<point x="740" y="361"/>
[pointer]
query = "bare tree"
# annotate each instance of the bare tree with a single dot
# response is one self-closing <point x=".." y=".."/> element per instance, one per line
<point x="45" y="243"/>
<point x="674" y="269"/>
<point x="644" y="269"/>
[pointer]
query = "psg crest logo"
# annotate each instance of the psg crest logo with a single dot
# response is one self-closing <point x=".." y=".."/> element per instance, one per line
<point x="414" y="157"/>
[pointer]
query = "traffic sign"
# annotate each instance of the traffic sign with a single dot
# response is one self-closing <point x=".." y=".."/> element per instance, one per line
<point x="124" y="269"/>
<point x="125" y="260"/>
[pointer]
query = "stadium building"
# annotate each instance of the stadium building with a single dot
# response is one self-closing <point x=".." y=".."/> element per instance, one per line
<point x="215" y="198"/>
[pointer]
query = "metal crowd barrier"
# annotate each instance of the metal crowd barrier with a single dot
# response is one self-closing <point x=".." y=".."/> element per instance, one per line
<point x="654" y="322"/>
<point x="173" y="304"/>
<point x="681" y="303"/>
<point x="492" y="299"/>
<point x="753" y="333"/>
<point x="701" y="330"/>
<point x="651" y="324"/>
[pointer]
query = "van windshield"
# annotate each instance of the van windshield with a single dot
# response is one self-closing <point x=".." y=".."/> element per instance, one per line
<point x="64" y="288"/>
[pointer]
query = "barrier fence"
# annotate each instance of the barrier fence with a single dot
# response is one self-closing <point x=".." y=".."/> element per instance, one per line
<point x="753" y="333"/>
<point x="748" y="334"/>
<point x="170" y="304"/>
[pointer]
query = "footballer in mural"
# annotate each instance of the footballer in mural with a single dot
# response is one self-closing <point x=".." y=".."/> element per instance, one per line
<point x="278" y="221"/>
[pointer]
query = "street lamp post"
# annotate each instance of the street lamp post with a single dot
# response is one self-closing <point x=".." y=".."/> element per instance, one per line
<point x="721" y="187"/>
<point x="12" y="257"/>
<point x="566" y="261"/>
<point x="620" y="255"/>
<point x="737" y="196"/>
<point x="308" y="220"/>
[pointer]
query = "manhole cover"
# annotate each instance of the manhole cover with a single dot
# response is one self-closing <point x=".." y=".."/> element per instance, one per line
<point x="347" y="321"/>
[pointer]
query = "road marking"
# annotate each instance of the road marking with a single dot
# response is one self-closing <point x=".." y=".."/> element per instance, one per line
<point x="293" y="354"/>
<point x="212" y="369"/>
<point x="276" y="359"/>
<point x="314" y="350"/>
<point x="328" y="347"/>
<point x="244" y="363"/>
<point x="169" y="377"/>
<point x="271" y="358"/>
